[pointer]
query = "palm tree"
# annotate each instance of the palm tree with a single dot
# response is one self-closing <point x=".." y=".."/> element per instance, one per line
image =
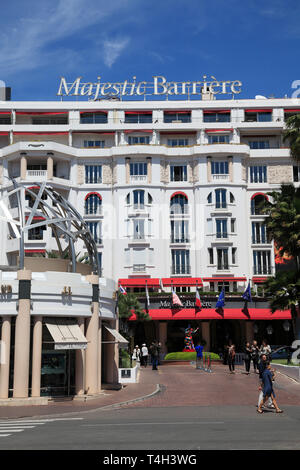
<point x="283" y="223"/>
<point x="292" y="134"/>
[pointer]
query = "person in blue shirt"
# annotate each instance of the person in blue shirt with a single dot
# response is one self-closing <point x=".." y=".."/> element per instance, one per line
<point x="267" y="379"/>
<point x="199" y="352"/>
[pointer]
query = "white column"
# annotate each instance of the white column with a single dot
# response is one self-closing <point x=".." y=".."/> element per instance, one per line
<point x="4" y="367"/>
<point x="79" y="364"/>
<point x="36" y="357"/>
<point x="91" y="369"/>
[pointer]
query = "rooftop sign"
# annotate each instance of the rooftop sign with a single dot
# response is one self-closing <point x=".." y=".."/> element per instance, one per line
<point x="158" y="87"/>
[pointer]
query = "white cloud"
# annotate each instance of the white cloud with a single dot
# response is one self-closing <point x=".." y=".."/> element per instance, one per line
<point x="41" y="38"/>
<point x="112" y="49"/>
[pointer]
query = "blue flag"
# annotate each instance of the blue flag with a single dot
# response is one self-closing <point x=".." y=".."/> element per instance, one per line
<point x="221" y="299"/>
<point x="247" y="294"/>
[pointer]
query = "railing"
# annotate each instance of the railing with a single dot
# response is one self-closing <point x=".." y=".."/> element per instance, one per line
<point x="223" y="267"/>
<point x="96" y="211"/>
<point x="180" y="269"/>
<point x="221" y="177"/>
<point x="261" y="240"/>
<point x="36" y="173"/>
<point x="139" y="237"/>
<point x="262" y="270"/>
<point x="177" y="209"/>
<point x="221" y="235"/>
<point x="139" y="178"/>
<point x="139" y="268"/>
<point x="180" y="240"/>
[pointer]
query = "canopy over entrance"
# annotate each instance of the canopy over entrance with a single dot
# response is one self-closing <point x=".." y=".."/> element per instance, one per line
<point x="118" y="337"/>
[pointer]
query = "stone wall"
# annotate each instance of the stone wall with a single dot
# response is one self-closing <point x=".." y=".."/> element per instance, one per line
<point x="278" y="174"/>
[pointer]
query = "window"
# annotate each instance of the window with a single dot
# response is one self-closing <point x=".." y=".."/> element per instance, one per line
<point x="258" y="174"/>
<point x="223" y="285"/>
<point x="138" y="169"/>
<point x="50" y="120"/>
<point x="139" y="140"/>
<point x="179" y="231"/>
<point x="221" y="228"/>
<point x="231" y="198"/>
<point x="209" y="198"/>
<point x="95" y="229"/>
<point x="178" y="173"/>
<point x="94" y="143"/>
<point x="211" y="255"/>
<point x="177" y="116"/>
<point x="138" y="199"/>
<point x="138" y="229"/>
<point x="232" y="225"/>
<point x="221" y="116"/>
<point x="219" y="168"/>
<point x="5" y="120"/>
<point x="233" y="252"/>
<point x="211" y="286"/>
<point x="259" y="233"/>
<point x="258" y="116"/>
<point x="93" y="205"/>
<point x="257" y="204"/>
<point x="93" y="174"/>
<point x="93" y="118"/>
<point x="222" y="259"/>
<point x="36" y="233"/>
<point x="218" y="139"/>
<point x="178" y="142"/>
<point x="220" y="198"/>
<point x="180" y="261"/>
<point x="138" y="118"/>
<point x="259" y="144"/>
<point x="179" y="204"/>
<point x="262" y="262"/>
<point x="296" y="173"/>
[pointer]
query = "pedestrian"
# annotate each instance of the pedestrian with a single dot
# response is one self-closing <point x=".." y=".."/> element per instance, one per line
<point x="144" y="356"/>
<point x="231" y="357"/>
<point x="268" y="378"/>
<point x="261" y="367"/>
<point x="255" y="355"/>
<point x="199" y="354"/>
<point x="265" y="349"/>
<point x="154" y="350"/>
<point x="247" y="357"/>
<point x="138" y="355"/>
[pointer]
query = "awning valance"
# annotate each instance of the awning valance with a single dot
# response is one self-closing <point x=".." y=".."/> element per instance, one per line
<point x="261" y="110"/>
<point x="66" y="334"/>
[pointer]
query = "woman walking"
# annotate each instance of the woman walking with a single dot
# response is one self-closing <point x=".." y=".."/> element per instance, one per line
<point x="265" y="349"/>
<point x="247" y="357"/>
<point x="255" y="355"/>
<point x="268" y="378"/>
<point x="231" y="357"/>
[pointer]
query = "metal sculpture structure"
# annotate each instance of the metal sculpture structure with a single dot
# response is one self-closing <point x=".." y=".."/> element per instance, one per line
<point x="65" y="221"/>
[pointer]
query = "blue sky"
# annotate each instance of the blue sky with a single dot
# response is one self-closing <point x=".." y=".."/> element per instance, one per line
<point x="256" y="41"/>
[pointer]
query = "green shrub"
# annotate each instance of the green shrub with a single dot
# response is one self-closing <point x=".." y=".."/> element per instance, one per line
<point x="188" y="356"/>
<point x="124" y="359"/>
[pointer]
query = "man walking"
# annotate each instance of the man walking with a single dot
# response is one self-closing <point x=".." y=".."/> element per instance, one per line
<point x="144" y="356"/>
<point x="154" y="350"/>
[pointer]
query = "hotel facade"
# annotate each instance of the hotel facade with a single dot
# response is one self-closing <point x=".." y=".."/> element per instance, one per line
<point x="171" y="191"/>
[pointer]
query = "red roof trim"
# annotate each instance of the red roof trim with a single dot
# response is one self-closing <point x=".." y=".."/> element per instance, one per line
<point x="94" y="111"/>
<point x="167" y="282"/>
<point x="35" y="251"/>
<point x="215" y="279"/>
<point x="91" y="193"/>
<point x="218" y="130"/>
<point x="180" y="193"/>
<point x="297" y="110"/>
<point x="146" y="131"/>
<point x="267" y="110"/>
<point x="138" y="112"/>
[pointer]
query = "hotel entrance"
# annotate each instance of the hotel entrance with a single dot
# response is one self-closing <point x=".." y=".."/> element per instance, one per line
<point x="222" y="331"/>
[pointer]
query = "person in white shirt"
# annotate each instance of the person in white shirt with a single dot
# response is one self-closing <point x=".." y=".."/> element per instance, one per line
<point x="144" y="356"/>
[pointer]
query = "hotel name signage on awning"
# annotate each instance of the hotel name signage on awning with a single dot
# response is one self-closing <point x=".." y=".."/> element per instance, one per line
<point x="185" y="303"/>
<point x="158" y="87"/>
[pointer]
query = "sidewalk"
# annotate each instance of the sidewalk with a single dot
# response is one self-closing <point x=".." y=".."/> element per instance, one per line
<point x="108" y="398"/>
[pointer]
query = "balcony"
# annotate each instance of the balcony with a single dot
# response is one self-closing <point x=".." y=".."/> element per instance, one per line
<point x="41" y="175"/>
<point x="261" y="241"/>
<point x="183" y="239"/>
<point x="180" y="269"/>
<point x="263" y="270"/>
<point x="224" y="177"/>
<point x="96" y="212"/>
<point x="139" y="268"/>
<point x="179" y="210"/>
<point x="138" y="178"/>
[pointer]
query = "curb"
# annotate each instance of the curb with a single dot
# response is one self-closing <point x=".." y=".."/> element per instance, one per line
<point x="159" y="389"/>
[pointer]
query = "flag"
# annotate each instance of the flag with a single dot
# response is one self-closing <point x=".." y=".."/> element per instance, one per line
<point x="147" y="298"/>
<point x="122" y="290"/>
<point x="175" y="299"/>
<point x="161" y="285"/>
<point x="247" y="294"/>
<point x="221" y="299"/>
<point x="198" y="300"/>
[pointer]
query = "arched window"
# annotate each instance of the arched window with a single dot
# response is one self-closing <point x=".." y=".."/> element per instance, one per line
<point x="139" y="198"/>
<point x="93" y="204"/>
<point x="179" y="203"/>
<point x="258" y="201"/>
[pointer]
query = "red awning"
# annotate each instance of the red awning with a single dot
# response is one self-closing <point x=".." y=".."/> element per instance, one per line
<point x="178" y="133"/>
<point x="4" y="133"/>
<point x="35" y="251"/>
<point x="182" y="281"/>
<point x="232" y="279"/>
<point x="178" y="111"/>
<point x="154" y="282"/>
<point x="41" y="133"/>
<point x="93" y="132"/>
<point x="258" y="110"/>
<point x="5" y="112"/>
<point x="214" y="111"/>
<point x="35" y="113"/>
<point x="179" y="193"/>
<point x="93" y="193"/>
<point x="218" y="130"/>
<point x="145" y="131"/>
<point x="94" y="111"/>
<point x="259" y="280"/>
<point x="295" y="110"/>
<point x="139" y="282"/>
<point x="211" y="314"/>
<point x="138" y="112"/>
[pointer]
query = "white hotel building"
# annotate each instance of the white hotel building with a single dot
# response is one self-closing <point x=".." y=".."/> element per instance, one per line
<point x="171" y="189"/>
